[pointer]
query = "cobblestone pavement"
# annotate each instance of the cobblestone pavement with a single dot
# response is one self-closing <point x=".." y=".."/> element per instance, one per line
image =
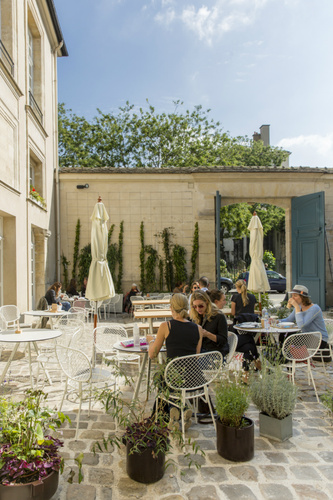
<point x="300" y="468"/>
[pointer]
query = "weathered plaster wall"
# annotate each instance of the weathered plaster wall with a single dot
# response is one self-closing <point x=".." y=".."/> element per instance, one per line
<point x="178" y="199"/>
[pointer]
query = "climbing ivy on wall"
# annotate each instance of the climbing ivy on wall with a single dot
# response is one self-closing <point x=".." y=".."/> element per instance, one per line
<point x="151" y="262"/>
<point x="76" y="247"/>
<point x="120" y="257"/>
<point x="142" y="257"/>
<point x="65" y="264"/>
<point x="195" y="252"/>
<point x="84" y="262"/>
<point x="179" y="263"/>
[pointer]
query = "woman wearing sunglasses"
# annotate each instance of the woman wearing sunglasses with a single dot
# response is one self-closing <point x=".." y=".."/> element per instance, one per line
<point x="213" y="322"/>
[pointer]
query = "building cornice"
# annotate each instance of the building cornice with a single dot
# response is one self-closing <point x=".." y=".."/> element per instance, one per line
<point x="195" y="170"/>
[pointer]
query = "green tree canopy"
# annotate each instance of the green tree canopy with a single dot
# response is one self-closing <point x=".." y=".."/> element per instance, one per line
<point x="145" y="138"/>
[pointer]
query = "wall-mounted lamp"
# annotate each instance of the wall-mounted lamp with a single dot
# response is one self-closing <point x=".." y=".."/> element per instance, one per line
<point x="82" y="186"/>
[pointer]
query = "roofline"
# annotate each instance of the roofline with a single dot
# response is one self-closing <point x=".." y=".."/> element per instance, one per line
<point x="193" y="170"/>
<point x="57" y="27"/>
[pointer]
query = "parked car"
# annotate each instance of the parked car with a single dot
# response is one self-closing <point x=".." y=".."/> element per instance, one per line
<point x="226" y="285"/>
<point x="276" y="281"/>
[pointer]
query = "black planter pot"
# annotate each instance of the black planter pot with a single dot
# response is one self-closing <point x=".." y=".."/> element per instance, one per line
<point x="42" y="489"/>
<point x="144" y="467"/>
<point x="234" y="444"/>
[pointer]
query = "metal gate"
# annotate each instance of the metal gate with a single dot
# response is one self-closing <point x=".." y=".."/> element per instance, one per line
<point x="308" y="244"/>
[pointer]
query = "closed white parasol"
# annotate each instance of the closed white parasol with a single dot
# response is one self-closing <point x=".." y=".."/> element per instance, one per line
<point x="258" y="281"/>
<point x="100" y="285"/>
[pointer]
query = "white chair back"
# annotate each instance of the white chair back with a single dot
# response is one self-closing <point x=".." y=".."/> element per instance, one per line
<point x="193" y="372"/>
<point x="10" y="315"/>
<point x="301" y="346"/>
<point x="232" y="342"/>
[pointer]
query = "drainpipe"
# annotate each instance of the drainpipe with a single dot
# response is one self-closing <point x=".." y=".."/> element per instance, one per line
<point x="56" y="159"/>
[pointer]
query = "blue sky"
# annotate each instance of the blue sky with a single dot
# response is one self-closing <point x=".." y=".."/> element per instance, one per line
<point x="252" y="62"/>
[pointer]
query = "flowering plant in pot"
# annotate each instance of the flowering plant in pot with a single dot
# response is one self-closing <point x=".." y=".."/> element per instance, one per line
<point x="34" y="195"/>
<point x="29" y="456"/>
<point x="235" y="432"/>
<point x="275" y="397"/>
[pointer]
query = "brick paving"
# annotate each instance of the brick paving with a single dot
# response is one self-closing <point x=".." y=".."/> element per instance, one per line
<point x="300" y="468"/>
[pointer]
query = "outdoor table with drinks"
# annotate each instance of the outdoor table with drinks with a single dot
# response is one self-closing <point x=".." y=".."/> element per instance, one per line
<point x="271" y="327"/>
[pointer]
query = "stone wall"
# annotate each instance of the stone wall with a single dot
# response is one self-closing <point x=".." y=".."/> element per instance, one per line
<point x="178" y="198"/>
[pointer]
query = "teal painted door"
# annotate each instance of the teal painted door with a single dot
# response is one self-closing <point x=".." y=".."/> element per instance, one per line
<point x="308" y="244"/>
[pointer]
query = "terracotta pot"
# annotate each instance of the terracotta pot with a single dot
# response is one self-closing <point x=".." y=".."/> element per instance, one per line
<point x="235" y="444"/>
<point x="42" y="489"/>
<point x="145" y="467"/>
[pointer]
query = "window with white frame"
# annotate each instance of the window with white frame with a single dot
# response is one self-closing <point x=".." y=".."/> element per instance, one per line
<point x="6" y="33"/>
<point x="34" y="68"/>
<point x="36" y="190"/>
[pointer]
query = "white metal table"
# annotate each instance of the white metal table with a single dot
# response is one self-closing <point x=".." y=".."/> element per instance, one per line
<point x="31" y="335"/>
<point x="46" y="314"/>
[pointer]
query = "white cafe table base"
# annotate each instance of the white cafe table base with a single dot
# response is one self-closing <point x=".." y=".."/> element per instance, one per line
<point x="137" y="350"/>
<point x="46" y="314"/>
<point x="30" y="336"/>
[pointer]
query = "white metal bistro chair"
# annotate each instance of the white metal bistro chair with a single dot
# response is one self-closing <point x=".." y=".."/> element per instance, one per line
<point x="298" y="349"/>
<point x="106" y="336"/>
<point x="10" y="316"/>
<point x="113" y="304"/>
<point x="323" y="353"/>
<point x="80" y="376"/>
<point x="84" y="304"/>
<point x="188" y="378"/>
<point x="46" y="358"/>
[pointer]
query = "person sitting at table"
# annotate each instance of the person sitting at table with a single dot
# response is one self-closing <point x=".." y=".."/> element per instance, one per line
<point x="212" y="321"/>
<point x="52" y="296"/>
<point x="182" y="338"/>
<point x="308" y="317"/>
<point x="242" y="303"/>
<point x="84" y="286"/>
<point x="180" y="287"/>
<point x="127" y="304"/>
<point x="71" y="289"/>
<point x="217" y="298"/>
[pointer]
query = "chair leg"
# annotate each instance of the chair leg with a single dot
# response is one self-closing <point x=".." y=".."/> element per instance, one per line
<point x="79" y="412"/>
<point x="313" y="383"/>
<point x="63" y="396"/>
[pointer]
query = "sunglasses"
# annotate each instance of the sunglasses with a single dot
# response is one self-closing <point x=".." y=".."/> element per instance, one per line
<point x="200" y="306"/>
<point x="196" y="288"/>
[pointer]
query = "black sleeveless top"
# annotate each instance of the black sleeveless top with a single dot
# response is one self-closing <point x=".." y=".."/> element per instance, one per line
<point x="182" y="339"/>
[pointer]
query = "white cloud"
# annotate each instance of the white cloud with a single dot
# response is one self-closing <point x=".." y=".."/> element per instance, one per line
<point x="314" y="149"/>
<point x="212" y="18"/>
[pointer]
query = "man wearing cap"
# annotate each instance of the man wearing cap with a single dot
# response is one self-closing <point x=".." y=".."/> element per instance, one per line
<point x="308" y="316"/>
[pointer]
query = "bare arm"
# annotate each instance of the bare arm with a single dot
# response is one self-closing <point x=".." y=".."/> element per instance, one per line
<point x="233" y="308"/>
<point x="200" y="340"/>
<point x="155" y="345"/>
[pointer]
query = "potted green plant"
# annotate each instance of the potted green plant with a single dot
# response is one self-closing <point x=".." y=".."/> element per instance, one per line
<point x="234" y="431"/>
<point x="146" y="435"/>
<point x="30" y="461"/>
<point x="275" y="397"/>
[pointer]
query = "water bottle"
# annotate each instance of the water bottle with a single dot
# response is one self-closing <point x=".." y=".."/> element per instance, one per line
<point x="136" y="335"/>
<point x="266" y="318"/>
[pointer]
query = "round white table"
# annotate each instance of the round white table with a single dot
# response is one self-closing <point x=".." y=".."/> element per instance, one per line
<point x="46" y="314"/>
<point x="256" y="331"/>
<point x="30" y="335"/>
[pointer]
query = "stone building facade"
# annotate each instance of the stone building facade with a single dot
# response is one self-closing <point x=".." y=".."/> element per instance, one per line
<point x="30" y="43"/>
<point x="178" y="198"/>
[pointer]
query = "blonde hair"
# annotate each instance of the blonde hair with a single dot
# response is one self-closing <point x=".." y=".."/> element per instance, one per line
<point x="243" y="290"/>
<point x="210" y="311"/>
<point x="179" y="304"/>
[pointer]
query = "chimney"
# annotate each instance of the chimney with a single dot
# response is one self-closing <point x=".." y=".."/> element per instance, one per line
<point x="264" y="134"/>
<point x="256" y="136"/>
